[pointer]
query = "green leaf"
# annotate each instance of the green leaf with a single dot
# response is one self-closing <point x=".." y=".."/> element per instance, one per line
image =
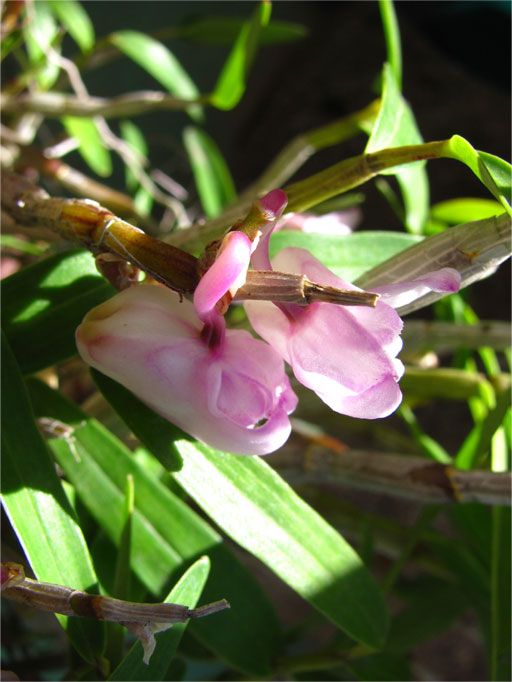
<point x="478" y="440"/>
<point x="91" y="146"/>
<point x="493" y="172"/>
<point x="225" y="30"/>
<point x="40" y="32"/>
<point x="347" y="256"/>
<point x="9" y="241"/>
<point x="44" y="303"/>
<point x="134" y="136"/>
<point x="231" y="83"/>
<point x="211" y="173"/>
<point x="392" y="37"/>
<point x="160" y="63"/>
<point x="395" y="127"/>
<point x="258" y="510"/>
<point x="187" y="592"/>
<point x="38" y="509"/>
<point x="76" y="21"/>
<point x="464" y="210"/>
<point x="254" y="506"/>
<point x="165" y="532"/>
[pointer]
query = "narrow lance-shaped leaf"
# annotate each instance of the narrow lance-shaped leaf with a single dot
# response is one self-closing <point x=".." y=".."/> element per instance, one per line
<point x="224" y="31"/>
<point x="91" y="146"/>
<point x="231" y="84"/>
<point x="211" y="173"/>
<point x="464" y="210"/>
<point x="159" y="62"/>
<point x="259" y="511"/>
<point x="187" y="592"/>
<point x="255" y="507"/>
<point x="76" y="21"/>
<point x="165" y="531"/>
<point x="38" y="508"/>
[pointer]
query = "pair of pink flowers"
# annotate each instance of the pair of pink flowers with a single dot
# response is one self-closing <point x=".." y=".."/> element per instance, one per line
<point x="229" y="389"/>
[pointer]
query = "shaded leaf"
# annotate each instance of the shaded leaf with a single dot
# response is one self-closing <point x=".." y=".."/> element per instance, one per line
<point x="44" y="303"/>
<point x="225" y="30"/>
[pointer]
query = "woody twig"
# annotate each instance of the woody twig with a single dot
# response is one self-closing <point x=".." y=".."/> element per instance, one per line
<point x="141" y="619"/>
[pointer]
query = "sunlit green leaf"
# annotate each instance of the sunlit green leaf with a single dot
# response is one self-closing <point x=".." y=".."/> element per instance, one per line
<point x="38" y="509"/>
<point x="159" y="62"/>
<point x="40" y="31"/>
<point x="187" y="592"/>
<point x="166" y="533"/>
<point x="493" y="172"/>
<point x="76" y="21"/>
<point x="211" y="173"/>
<point x="259" y="511"/>
<point x="255" y="507"/>
<point x="464" y="210"/>
<point x="347" y="256"/>
<point x="396" y="126"/>
<point x="231" y="84"/>
<point x="43" y="304"/>
<point x="91" y="146"/>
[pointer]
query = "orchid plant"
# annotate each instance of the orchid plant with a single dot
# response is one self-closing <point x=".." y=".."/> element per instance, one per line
<point x="153" y="333"/>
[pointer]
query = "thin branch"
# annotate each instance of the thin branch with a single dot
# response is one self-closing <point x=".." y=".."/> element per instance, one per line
<point x="423" y="335"/>
<point x="141" y="619"/>
<point x="404" y="476"/>
<point x="57" y="104"/>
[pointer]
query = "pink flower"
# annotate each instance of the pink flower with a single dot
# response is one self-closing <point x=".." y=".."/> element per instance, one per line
<point x="346" y="355"/>
<point x="335" y="223"/>
<point x="223" y="387"/>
